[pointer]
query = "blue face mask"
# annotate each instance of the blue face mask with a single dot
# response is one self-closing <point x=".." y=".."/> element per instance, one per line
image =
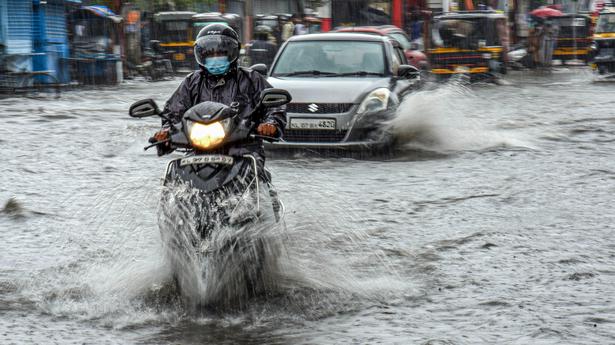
<point x="217" y="65"/>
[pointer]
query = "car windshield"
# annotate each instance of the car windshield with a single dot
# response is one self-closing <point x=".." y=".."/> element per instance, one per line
<point x="402" y="39"/>
<point x="606" y="23"/>
<point x="572" y="26"/>
<point x="331" y="58"/>
<point x="272" y="23"/>
<point x="173" y="31"/>
<point x="467" y="33"/>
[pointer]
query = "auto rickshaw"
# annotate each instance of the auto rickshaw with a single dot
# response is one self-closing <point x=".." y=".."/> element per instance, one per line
<point x="233" y="20"/>
<point x="603" y="46"/>
<point x="175" y="33"/>
<point x="473" y="42"/>
<point x="574" y="37"/>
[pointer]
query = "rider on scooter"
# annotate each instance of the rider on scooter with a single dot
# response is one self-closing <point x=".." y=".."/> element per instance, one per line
<point x="220" y="79"/>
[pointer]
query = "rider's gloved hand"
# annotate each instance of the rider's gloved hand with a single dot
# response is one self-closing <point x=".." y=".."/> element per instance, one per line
<point x="267" y="129"/>
<point x="161" y="135"/>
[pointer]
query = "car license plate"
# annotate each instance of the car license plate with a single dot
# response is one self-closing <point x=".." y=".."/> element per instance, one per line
<point x="578" y="22"/>
<point x="326" y="124"/>
<point x="179" y="57"/>
<point x="206" y="159"/>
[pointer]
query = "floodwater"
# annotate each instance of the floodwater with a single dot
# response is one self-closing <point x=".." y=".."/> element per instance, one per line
<point x="493" y="225"/>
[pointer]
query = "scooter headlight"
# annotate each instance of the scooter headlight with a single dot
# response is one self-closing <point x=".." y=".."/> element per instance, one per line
<point x="206" y="137"/>
<point x="377" y="100"/>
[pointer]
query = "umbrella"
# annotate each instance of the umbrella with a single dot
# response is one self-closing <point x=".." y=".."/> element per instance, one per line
<point x="546" y="12"/>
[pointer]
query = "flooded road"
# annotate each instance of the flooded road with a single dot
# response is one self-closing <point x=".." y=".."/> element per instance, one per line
<point x="494" y="224"/>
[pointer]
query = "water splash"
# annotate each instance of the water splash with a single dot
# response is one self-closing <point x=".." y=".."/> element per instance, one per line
<point x="223" y="247"/>
<point x="121" y="277"/>
<point x="445" y="120"/>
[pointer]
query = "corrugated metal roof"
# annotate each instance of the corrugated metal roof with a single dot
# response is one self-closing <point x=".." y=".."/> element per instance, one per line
<point x="55" y="20"/>
<point x="19" y="27"/>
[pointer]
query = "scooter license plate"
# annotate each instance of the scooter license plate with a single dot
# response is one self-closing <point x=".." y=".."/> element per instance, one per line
<point x="208" y="159"/>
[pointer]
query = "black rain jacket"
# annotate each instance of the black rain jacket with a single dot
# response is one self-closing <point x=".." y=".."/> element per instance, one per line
<point x="238" y="85"/>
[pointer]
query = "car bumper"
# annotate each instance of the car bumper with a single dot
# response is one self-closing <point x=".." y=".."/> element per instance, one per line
<point x="352" y="132"/>
<point x="341" y="146"/>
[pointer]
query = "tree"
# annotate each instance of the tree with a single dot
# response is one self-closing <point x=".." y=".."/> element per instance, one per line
<point x="172" y="5"/>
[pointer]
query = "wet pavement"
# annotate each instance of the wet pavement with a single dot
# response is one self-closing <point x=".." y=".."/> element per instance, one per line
<point x="493" y="224"/>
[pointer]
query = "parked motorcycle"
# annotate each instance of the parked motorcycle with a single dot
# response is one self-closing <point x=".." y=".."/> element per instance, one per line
<point x="218" y="208"/>
<point x="155" y="65"/>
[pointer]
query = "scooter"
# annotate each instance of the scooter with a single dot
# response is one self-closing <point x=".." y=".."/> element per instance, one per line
<point x="517" y="57"/>
<point x="218" y="206"/>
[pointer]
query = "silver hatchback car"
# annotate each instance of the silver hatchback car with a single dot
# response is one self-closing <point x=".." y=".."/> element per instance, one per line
<point x="345" y="87"/>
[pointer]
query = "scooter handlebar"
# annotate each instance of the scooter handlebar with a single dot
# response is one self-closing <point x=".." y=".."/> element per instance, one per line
<point x="155" y="143"/>
<point x="264" y="137"/>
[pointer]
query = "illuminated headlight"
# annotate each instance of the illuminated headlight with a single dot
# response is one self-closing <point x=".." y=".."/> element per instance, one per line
<point x="377" y="100"/>
<point x="486" y="55"/>
<point x="206" y="137"/>
<point x="593" y="46"/>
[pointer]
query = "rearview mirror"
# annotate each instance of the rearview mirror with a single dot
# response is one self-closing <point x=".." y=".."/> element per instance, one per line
<point x="408" y="72"/>
<point x="260" y="68"/>
<point x="144" y="108"/>
<point x="274" y="97"/>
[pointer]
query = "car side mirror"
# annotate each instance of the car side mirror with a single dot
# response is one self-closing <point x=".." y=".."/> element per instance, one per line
<point x="274" y="97"/>
<point x="144" y="108"/>
<point x="260" y="68"/>
<point x="408" y="72"/>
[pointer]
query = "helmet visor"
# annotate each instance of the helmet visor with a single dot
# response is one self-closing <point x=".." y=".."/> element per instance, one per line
<point x="215" y="45"/>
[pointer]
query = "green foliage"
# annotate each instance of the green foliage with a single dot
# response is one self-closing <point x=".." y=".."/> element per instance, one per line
<point x="173" y="5"/>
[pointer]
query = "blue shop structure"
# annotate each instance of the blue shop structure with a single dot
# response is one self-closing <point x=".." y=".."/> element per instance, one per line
<point x="56" y="42"/>
<point x="96" y="43"/>
<point x="34" y="42"/>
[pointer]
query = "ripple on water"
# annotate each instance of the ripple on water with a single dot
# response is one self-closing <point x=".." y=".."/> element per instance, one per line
<point x="599" y="320"/>
<point x="57" y="117"/>
<point x="577" y="276"/>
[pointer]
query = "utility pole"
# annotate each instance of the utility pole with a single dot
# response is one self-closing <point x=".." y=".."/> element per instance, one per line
<point x="249" y="20"/>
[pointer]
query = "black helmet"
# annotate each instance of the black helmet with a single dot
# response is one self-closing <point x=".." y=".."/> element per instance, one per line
<point x="216" y="40"/>
<point x="263" y="29"/>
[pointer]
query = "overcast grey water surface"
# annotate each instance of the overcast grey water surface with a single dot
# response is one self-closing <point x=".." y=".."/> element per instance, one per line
<point x="493" y="225"/>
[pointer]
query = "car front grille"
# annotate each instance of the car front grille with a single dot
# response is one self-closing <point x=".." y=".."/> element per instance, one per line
<point x="314" y="135"/>
<point x="318" y="108"/>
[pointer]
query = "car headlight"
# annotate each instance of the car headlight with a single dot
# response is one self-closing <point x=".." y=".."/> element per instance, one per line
<point x="486" y="55"/>
<point x="377" y="100"/>
<point x="206" y="137"/>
